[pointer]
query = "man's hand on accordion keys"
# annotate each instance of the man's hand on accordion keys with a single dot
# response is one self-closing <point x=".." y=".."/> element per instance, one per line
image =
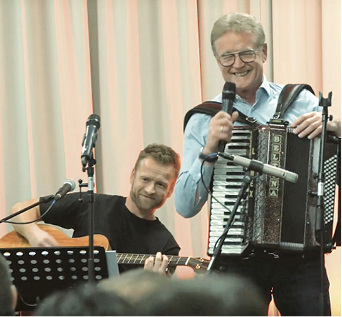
<point x="310" y="125"/>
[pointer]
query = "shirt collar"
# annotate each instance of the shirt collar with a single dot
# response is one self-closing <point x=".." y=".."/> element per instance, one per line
<point x="265" y="86"/>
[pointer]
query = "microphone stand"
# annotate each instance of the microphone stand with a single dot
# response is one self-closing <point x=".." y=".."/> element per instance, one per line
<point x="90" y="184"/>
<point x="217" y="251"/>
<point x="324" y="103"/>
<point x="43" y="200"/>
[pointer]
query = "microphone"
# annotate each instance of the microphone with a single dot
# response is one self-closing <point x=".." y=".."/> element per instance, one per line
<point x="68" y="186"/>
<point x="90" y="137"/>
<point x="260" y="167"/>
<point x="228" y="96"/>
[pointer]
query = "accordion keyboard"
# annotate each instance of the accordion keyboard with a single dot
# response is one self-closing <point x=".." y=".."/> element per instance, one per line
<point x="227" y="180"/>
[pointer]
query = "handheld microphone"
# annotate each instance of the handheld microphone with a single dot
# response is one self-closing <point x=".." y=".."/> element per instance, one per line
<point x="68" y="186"/>
<point x="228" y="96"/>
<point x="90" y="137"/>
<point x="262" y="168"/>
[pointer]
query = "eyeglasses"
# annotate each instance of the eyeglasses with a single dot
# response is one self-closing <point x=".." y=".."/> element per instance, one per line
<point x="246" y="56"/>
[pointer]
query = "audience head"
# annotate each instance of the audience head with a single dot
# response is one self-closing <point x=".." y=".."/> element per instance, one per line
<point x="134" y="284"/>
<point x="204" y="295"/>
<point x="84" y="300"/>
<point x="8" y="292"/>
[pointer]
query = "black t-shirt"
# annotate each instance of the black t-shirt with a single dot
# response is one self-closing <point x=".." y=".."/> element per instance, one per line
<point x="126" y="232"/>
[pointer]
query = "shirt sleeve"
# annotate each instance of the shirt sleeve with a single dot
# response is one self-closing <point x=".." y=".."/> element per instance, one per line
<point x="190" y="193"/>
<point x="64" y="212"/>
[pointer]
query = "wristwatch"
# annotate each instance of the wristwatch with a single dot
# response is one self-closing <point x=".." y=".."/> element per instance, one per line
<point x="211" y="158"/>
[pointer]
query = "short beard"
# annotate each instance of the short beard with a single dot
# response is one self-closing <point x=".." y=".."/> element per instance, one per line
<point x="136" y="200"/>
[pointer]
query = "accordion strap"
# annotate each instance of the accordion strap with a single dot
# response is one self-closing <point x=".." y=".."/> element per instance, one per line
<point x="211" y="108"/>
<point x="288" y="94"/>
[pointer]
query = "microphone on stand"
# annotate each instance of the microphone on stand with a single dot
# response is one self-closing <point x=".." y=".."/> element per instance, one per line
<point x="68" y="186"/>
<point x="90" y="137"/>
<point x="228" y="96"/>
<point x="262" y="168"/>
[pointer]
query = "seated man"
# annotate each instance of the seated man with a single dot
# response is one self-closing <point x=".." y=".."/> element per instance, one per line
<point x="129" y="223"/>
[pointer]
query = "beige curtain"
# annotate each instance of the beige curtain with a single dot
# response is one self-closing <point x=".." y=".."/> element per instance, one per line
<point x="140" y="65"/>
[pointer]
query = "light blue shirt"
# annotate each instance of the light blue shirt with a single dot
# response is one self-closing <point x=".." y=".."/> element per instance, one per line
<point x="189" y="186"/>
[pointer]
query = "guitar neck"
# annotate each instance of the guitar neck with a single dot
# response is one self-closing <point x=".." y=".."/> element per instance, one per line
<point x="126" y="258"/>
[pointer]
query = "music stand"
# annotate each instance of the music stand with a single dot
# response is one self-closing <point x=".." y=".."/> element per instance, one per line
<point x="37" y="272"/>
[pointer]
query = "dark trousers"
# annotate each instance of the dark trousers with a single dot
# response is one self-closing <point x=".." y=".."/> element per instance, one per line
<point x="295" y="282"/>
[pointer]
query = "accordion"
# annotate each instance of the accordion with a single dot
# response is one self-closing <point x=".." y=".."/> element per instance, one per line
<point x="275" y="214"/>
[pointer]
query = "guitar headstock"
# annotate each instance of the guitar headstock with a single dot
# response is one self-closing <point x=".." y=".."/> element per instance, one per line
<point x="199" y="265"/>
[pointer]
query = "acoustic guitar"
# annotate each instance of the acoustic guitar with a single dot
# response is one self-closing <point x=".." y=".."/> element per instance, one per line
<point x="15" y="240"/>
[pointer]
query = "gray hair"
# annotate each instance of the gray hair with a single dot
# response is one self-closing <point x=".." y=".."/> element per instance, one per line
<point x="237" y="22"/>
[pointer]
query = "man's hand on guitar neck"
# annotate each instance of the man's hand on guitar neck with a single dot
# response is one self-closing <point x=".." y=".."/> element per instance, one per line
<point x="157" y="264"/>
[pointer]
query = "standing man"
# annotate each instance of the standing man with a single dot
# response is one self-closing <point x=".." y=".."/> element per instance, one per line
<point x="238" y="43"/>
<point x="129" y="223"/>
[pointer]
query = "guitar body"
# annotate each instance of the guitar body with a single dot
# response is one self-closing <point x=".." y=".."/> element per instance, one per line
<point x="16" y="240"/>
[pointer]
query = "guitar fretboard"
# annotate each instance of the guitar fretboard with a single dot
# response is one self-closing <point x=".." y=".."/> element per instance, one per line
<point x="125" y="258"/>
